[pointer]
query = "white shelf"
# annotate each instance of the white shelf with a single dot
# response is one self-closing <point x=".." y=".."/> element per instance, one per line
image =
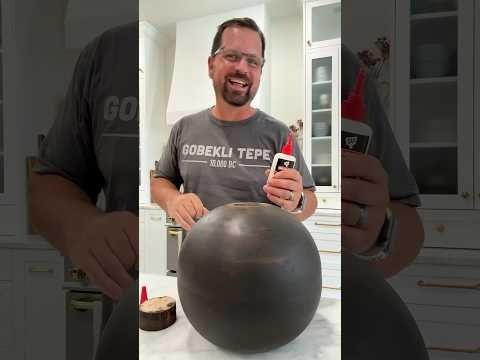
<point x="322" y="138"/>
<point x="321" y="110"/>
<point x="322" y="82"/>
<point x="435" y="80"/>
<point x="321" y="165"/>
<point x="432" y="145"/>
<point x="434" y="15"/>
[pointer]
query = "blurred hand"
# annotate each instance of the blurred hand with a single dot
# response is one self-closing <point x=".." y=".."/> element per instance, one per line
<point x="284" y="188"/>
<point x="364" y="184"/>
<point x="185" y="208"/>
<point x="105" y="247"/>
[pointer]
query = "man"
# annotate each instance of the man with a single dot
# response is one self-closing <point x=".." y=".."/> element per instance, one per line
<point x="93" y="146"/>
<point x="379" y="221"/>
<point x="221" y="154"/>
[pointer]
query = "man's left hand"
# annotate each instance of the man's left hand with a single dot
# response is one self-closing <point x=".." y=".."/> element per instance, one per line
<point x="365" y="197"/>
<point x="285" y="188"/>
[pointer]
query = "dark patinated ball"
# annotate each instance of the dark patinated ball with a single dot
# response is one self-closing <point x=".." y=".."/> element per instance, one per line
<point x="249" y="277"/>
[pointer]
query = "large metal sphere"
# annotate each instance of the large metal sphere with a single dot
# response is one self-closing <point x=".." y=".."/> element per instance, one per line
<point x="376" y="323"/>
<point x="249" y="277"/>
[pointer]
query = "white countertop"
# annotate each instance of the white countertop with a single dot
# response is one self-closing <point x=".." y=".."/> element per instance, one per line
<point x="320" y="340"/>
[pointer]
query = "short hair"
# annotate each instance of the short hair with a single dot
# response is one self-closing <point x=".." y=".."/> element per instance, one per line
<point x="240" y="22"/>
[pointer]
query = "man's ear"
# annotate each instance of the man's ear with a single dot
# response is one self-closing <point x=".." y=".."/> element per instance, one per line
<point x="210" y="67"/>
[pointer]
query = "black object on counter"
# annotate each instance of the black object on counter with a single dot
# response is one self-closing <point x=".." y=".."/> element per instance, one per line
<point x="376" y="323"/>
<point x="249" y="277"/>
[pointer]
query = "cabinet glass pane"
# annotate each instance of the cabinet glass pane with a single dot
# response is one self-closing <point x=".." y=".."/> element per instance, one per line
<point x="434" y="96"/>
<point x="427" y="6"/>
<point x="326" y="22"/>
<point x="435" y="170"/>
<point x="2" y="175"/>
<point x="321" y="141"/>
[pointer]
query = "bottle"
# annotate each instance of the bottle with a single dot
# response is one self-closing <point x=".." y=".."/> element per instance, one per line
<point x="356" y="134"/>
<point x="283" y="158"/>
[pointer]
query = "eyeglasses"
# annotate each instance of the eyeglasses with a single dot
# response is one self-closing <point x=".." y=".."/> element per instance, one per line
<point x="234" y="56"/>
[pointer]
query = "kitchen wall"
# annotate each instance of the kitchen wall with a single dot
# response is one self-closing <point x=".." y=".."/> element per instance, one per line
<point x="362" y="23"/>
<point x="287" y="70"/>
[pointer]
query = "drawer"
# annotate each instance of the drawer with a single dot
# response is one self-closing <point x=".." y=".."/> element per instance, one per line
<point x="462" y="340"/>
<point x="6" y="314"/>
<point x="5" y="264"/>
<point x="451" y="230"/>
<point x="331" y="270"/>
<point x="439" y="285"/>
<point x="328" y="201"/>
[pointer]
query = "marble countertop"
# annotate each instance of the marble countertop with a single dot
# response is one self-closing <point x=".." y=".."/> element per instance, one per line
<point x="320" y="340"/>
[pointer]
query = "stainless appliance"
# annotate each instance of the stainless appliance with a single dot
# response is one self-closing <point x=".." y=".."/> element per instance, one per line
<point x="175" y="236"/>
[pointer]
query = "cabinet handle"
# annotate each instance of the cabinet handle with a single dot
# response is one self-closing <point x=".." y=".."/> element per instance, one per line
<point x="458" y="350"/>
<point x="40" y="269"/>
<point x="465" y="195"/>
<point x="422" y="283"/>
<point x="309" y="43"/>
<point x="440" y="228"/>
<point x="319" y="223"/>
<point x="173" y="233"/>
<point x="82" y="305"/>
<point x="155" y="218"/>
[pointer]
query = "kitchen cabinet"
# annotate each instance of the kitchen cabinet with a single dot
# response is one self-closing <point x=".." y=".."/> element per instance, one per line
<point x="6" y="304"/>
<point x="153" y="241"/>
<point x="437" y="114"/>
<point x="322" y="97"/>
<point x="443" y="297"/>
<point x="6" y="145"/>
<point x="322" y="56"/>
<point x="38" y="299"/>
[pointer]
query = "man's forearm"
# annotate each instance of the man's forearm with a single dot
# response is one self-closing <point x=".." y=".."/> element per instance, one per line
<point x="407" y="242"/>
<point x="310" y="205"/>
<point x="163" y="191"/>
<point x="56" y="206"/>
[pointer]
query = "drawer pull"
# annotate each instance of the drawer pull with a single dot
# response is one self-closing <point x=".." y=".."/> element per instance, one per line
<point x="422" y="283"/>
<point x="325" y="224"/>
<point x="440" y="228"/>
<point x="174" y="233"/>
<point x="465" y="195"/>
<point x="40" y="269"/>
<point x="457" y="350"/>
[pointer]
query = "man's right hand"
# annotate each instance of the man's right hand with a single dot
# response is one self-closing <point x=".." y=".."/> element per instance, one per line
<point x="105" y="246"/>
<point x="184" y="208"/>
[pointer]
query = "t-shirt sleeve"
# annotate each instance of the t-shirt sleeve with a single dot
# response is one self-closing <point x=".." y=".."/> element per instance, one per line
<point x="68" y="149"/>
<point x="168" y="167"/>
<point x="308" y="182"/>
<point x="384" y="146"/>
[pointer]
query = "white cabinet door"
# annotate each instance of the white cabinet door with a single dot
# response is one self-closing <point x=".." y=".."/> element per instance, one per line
<point x="156" y="243"/>
<point x="142" y="239"/>
<point x="323" y="23"/>
<point x="39" y="304"/>
<point x="322" y="116"/>
<point x="6" y="323"/>
<point x="434" y="109"/>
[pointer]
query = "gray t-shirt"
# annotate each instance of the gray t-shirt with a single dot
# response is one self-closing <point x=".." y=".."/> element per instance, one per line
<point x="94" y="141"/>
<point x="224" y="162"/>
<point x="383" y="144"/>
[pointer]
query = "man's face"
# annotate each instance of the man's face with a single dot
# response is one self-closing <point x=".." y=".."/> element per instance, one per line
<point x="235" y="78"/>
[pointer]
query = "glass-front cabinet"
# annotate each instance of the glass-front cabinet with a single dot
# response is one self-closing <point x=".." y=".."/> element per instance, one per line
<point x="2" y="125"/>
<point x="322" y="125"/>
<point x="435" y="106"/>
<point x="322" y="97"/>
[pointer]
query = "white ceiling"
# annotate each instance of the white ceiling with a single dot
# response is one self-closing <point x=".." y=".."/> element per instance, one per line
<point x="163" y="14"/>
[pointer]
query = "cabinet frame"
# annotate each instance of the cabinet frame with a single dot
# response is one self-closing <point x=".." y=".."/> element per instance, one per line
<point x="465" y="102"/>
<point x="332" y="52"/>
<point x="309" y="5"/>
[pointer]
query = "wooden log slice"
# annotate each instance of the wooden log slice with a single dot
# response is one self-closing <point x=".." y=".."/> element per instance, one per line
<point x="157" y="313"/>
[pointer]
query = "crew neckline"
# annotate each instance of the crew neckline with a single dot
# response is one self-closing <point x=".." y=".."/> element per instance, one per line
<point x="225" y="123"/>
